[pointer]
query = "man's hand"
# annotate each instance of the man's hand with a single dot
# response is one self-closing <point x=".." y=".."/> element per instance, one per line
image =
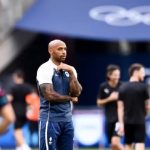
<point x="113" y="96"/>
<point x="75" y="86"/>
<point x="120" y="128"/>
<point x="65" y="67"/>
<point x="74" y="99"/>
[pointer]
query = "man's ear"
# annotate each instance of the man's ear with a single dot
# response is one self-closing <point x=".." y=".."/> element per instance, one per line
<point x="50" y="51"/>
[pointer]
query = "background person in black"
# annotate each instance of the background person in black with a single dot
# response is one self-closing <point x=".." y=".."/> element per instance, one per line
<point x="107" y="96"/>
<point x="6" y="112"/>
<point x="133" y="97"/>
<point x="16" y="95"/>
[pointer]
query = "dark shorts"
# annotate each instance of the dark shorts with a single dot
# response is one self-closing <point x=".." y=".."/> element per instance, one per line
<point x="134" y="133"/>
<point x="56" y="135"/>
<point x="3" y="101"/>
<point x="20" y="113"/>
<point x="33" y="126"/>
<point x="110" y="131"/>
<point x="20" y="122"/>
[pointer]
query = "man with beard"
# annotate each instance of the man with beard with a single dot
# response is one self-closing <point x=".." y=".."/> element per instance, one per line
<point x="133" y="98"/>
<point x="58" y="88"/>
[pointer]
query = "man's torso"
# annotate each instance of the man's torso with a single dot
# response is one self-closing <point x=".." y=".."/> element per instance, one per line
<point x="134" y="94"/>
<point x="55" y="111"/>
<point x="110" y="108"/>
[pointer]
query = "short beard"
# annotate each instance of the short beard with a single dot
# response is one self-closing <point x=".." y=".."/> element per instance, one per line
<point x="141" y="80"/>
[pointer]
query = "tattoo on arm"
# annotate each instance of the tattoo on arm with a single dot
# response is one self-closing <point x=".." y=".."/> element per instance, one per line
<point x="75" y="87"/>
<point x="51" y="95"/>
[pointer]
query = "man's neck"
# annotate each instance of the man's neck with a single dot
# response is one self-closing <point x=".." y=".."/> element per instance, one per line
<point x="134" y="79"/>
<point x="112" y="84"/>
<point x="55" y="62"/>
<point x="19" y="81"/>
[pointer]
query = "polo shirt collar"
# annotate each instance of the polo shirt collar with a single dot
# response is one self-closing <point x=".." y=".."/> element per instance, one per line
<point x="52" y="64"/>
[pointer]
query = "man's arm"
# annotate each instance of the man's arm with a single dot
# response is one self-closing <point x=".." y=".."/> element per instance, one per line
<point x="147" y="105"/>
<point x="52" y="96"/>
<point x="75" y="86"/>
<point x="121" y="117"/>
<point x="147" y="98"/>
<point x="113" y="97"/>
<point x="120" y="111"/>
<point x="8" y="116"/>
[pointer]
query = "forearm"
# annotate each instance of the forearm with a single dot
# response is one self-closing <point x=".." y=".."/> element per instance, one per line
<point x="101" y="102"/>
<point x="120" y="116"/>
<point x="120" y="112"/>
<point x="55" y="97"/>
<point x="75" y="87"/>
<point x="51" y="95"/>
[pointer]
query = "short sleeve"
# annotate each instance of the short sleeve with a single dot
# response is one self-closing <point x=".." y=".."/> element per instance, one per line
<point x="44" y="75"/>
<point x="28" y="88"/>
<point x="100" y="94"/>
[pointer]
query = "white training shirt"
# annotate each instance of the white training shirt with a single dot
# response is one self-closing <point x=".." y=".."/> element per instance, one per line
<point x="46" y="70"/>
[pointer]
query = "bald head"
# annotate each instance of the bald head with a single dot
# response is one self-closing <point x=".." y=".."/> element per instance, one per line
<point x="55" y="43"/>
<point x="57" y="50"/>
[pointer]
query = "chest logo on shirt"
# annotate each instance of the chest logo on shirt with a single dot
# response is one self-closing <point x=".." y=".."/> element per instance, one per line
<point x="67" y="74"/>
<point x="106" y="90"/>
<point x="56" y="75"/>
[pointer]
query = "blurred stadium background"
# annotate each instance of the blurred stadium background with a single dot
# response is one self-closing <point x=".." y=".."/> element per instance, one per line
<point x="97" y="33"/>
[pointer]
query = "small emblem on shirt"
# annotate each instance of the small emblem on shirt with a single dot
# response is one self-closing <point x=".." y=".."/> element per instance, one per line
<point x="106" y="91"/>
<point x="56" y="74"/>
<point x="67" y="74"/>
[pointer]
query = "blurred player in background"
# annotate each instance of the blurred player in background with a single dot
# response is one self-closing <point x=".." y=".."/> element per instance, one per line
<point x="6" y="112"/>
<point x="107" y="97"/>
<point x="17" y="94"/>
<point x="58" y="88"/>
<point x="132" y="103"/>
